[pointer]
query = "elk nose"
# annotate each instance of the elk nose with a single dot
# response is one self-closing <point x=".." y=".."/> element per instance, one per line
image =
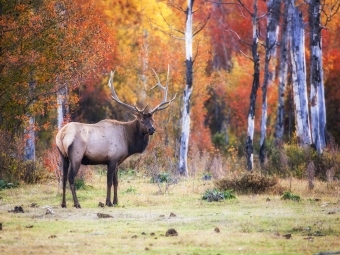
<point x="152" y="130"/>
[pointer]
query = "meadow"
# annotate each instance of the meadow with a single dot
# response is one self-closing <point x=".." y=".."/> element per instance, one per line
<point x="248" y="224"/>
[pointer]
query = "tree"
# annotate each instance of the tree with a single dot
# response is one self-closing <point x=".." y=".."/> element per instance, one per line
<point x="254" y="88"/>
<point x="283" y="70"/>
<point x="271" y="41"/>
<point x="185" y="112"/>
<point x="317" y="94"/>
<point x="53" y="44"/>
<point x="189" y="33"/>
<point x="297" y="49"/>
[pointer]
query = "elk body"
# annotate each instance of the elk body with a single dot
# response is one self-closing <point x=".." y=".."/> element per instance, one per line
<point x="108" y="142"/>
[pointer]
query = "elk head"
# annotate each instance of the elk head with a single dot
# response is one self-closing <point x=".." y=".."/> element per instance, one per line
<point x="145" y="118"/>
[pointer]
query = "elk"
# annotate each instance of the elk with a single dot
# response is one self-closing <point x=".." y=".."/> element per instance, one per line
<point x="108" y="142"/>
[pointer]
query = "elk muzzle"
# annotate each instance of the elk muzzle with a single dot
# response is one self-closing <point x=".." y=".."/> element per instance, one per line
<point x="152" y="130"/>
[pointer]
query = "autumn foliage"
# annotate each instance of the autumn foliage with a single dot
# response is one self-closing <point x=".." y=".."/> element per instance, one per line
<point x="49" y="45"/>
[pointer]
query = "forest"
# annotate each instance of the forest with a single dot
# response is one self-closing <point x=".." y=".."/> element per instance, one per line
<point x="256" y="82"/>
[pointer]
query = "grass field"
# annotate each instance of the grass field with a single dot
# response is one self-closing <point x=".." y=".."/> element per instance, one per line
<point x="252" y="224"/>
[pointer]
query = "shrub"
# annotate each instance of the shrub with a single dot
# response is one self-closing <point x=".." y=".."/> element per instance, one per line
<point x="161" y="177"/>
<point x="290" y="196"/>
<point x="216" y="195"/>
<point x="6" y="185"/>
<point x="79" y="183"/>
<point x="250" y="183"/>
<point x="290" y="160"/>
<point x="13" y="167"/>
<point x="131" y="190"/>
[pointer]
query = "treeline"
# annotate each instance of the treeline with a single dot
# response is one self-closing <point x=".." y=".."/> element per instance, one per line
<point x="248" y="89"/>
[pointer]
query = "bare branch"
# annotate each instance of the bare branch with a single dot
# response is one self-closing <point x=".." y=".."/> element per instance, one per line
<point x="194" y="58"/>
<point x="177" y="7"/>
<point x="245" y="8"/>
<point x="334" y="9"/>
<point x="166" y="22"/>
<point x="159" y="28"/>
<point x="205" y="23"/>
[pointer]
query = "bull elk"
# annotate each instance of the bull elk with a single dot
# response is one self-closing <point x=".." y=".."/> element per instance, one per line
<point x="108" y="142"/>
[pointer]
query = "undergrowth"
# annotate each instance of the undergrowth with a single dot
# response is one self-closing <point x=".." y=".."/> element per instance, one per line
<point x="217" y="195"/>
<point x="250" y="183"/>
<point x="290" y="196"/>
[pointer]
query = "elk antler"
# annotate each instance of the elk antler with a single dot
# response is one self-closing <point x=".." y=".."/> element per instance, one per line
<point x="164" y="104"/>
<point x="115" y="97"/>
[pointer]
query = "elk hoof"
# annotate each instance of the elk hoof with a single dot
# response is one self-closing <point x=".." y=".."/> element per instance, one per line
<point x="109" y="204"/>
<point x="77" y="206"/>
<point x="63" y="205"/>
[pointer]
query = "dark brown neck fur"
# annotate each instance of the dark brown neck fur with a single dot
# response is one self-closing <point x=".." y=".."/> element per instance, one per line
<point x="137" y="141"/>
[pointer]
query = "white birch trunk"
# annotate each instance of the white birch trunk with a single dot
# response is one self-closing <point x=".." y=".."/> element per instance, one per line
<point x="317" y="97"/>
<point x="271" y="41"/>
<point x="297" y="43"/>
<point x="283" y="69"/>
<point x="253" y="94"/>
<point x="29" y="133"/>
<point x="185" y="121"/>
<point x="30" y="140"/>
<point x="62" y="108"/>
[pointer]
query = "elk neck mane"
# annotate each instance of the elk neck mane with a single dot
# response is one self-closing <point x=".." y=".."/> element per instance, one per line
<point x="137" y="140"/>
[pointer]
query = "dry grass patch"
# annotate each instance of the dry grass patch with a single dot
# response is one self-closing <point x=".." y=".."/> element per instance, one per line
<point x="251" y="183"/>
<point x="249" y="224"/>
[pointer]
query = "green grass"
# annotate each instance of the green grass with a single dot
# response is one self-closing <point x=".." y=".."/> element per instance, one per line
<point x="252" y="224"/>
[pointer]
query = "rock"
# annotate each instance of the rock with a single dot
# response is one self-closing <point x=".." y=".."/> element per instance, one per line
<point x="17" y="209"/>
<point x="49" y="211"/>
<point x="171" y="232"/>
<point x="101" y="204"/>
<point x="287" y="236"/>
<point x="217" y="230"/>
<point x="172" y="215"/>
<point x="104" y="215"/>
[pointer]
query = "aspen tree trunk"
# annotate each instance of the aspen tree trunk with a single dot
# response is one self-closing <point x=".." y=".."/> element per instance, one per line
<point x="283" y="68"/>
<point x="29" y="133"/>
<point x="185" y="121"/>
<point x="317" y="97"/>
<point x="271" y="40"/>
<point x="253" y="94"/>
<point x="297" y="43"/>
<point x="62" y="106"/>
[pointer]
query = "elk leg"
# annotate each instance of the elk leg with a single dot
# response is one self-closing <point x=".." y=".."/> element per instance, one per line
<point x="65" y="163"/>
<point x="74" y="170"/>
<point x="109" y="184"/>
<point x="115" y="185"/>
